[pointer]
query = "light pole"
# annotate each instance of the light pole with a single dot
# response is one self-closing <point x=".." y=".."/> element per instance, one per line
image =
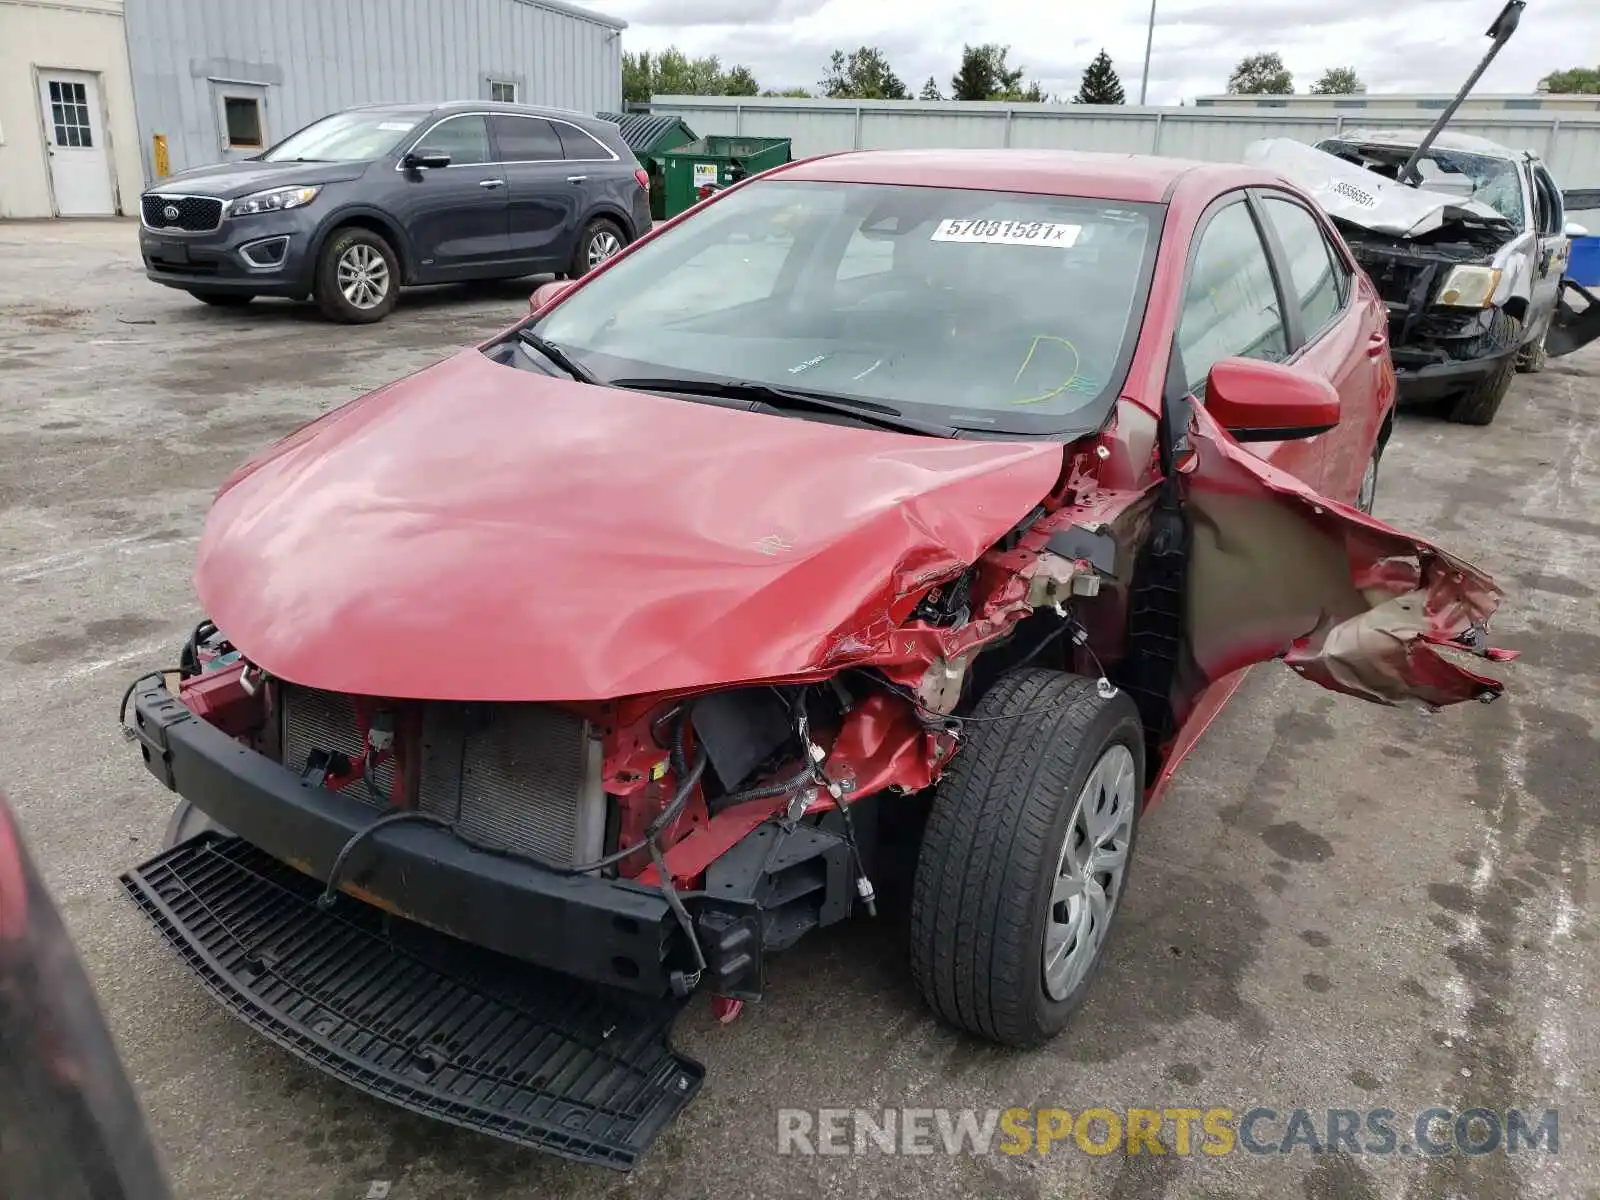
<point x="1150" y="36"/>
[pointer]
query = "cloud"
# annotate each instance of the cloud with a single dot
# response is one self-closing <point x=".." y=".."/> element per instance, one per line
<point x="1395" y="45"/>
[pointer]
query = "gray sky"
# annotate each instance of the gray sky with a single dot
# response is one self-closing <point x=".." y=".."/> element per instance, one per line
<point x="1395" y="45"/>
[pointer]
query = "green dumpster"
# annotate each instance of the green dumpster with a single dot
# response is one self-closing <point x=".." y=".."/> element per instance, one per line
<point x="717" y="161"/>
<point x="649" y="136"/>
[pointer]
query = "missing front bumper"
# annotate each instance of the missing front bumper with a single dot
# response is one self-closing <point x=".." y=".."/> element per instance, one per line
<point x="423" y="1021"/>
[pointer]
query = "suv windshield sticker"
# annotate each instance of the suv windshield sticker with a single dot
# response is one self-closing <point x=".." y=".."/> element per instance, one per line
<point x="1006" y="233"/>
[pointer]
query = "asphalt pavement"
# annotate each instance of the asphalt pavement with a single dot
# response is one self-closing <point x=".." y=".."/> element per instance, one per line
<point x="1338" y="906"/>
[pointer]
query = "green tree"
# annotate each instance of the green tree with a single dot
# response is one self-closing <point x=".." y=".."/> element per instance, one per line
<point x="1100" y="84"/>
<point x="798" y="93"/>
<point x="674" y="73"/>
<point x="930" y="90"/>
<point x="1577" y="81"/>
<point x="1261" y="75"/>
<point x="740" y="81"/>
<point x="1338" y="81"/>
<point x="984" y="75"/>
<point x="637" y="75"/>
<point x="863" y="75"/>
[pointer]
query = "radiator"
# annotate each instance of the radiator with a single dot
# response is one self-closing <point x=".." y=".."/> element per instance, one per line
<point x="517" y="778"/>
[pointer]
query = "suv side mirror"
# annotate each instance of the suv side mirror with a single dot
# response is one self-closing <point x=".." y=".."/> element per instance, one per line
<point x="547" y="294"/>
<point x="1267" y="402"/>
<point x="431" y="159"/>
<point x="1574" y="230"/>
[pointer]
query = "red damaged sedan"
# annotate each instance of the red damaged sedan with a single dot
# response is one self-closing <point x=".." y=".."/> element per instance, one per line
<point x="584" y="671"/>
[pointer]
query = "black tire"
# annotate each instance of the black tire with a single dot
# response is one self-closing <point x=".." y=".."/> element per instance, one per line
<point x="594" y="231"/>
<point x="1533" y="357"/>
<point x="329" y="295"/>
<point x="992" y="849"/>
<point x="1479" y="405"/>
<point x="223" y="299"/>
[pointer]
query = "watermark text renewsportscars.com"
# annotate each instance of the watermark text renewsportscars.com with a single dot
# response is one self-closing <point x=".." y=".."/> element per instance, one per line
<point x="1429" y="1133"/>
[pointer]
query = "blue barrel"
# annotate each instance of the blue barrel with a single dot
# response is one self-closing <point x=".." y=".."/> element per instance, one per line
<point x="1584" y="266"/>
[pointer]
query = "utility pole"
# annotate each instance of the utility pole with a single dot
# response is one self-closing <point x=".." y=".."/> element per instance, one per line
<point x="1149" y="37"/>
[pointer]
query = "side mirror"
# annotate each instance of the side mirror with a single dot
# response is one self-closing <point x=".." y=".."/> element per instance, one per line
<point x="1267" y="402"/>
<point x="547" y="294"/>
<point x="1574" y="230"/>
<point x="431" y="159"/>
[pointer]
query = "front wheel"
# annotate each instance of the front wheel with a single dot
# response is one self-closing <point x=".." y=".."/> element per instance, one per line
<point x="1025" y="856"/>
<point x="358" y="277"/>
<point x="1479" y="406"/>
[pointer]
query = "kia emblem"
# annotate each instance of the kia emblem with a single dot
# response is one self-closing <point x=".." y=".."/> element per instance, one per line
<point x="170" y="212"/>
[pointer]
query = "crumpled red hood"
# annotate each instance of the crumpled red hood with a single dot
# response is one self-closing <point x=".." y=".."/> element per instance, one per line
<point x="475" y="532"/>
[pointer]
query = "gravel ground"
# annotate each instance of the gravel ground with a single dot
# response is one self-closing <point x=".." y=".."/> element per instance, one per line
<point x="1338" y="906"/>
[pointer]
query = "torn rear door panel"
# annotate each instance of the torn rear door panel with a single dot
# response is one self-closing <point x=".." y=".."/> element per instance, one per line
<point x="1280" y="571"/>
<point x="1573" y="328"/>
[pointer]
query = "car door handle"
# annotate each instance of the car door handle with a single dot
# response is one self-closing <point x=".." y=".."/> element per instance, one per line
<point x="491" y="183"/>
<point x="576" y="178"/>
<point x="1377" y="344"/>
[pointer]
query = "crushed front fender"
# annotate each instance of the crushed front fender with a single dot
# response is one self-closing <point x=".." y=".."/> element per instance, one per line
<point x="1279" y="571"/>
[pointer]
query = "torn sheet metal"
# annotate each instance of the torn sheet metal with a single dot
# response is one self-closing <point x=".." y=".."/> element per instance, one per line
<point x="1345" y="600"/>
<point x="1364" y="198"/>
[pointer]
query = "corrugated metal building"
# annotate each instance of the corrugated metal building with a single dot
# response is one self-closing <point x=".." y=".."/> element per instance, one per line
<point x="224" y="78"/>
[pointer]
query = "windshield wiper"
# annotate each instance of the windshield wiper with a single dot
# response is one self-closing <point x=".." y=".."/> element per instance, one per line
<point x="556" y="355"/>
<point x="773" y="396"/>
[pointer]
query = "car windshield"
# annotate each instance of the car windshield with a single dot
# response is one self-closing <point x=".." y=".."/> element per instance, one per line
<point x="348" y="136"/>
<point x="980" y="310"/>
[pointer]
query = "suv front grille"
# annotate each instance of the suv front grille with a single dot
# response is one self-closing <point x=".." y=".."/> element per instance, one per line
<point x="516" y="778"/>
<point x="190" y="214"/>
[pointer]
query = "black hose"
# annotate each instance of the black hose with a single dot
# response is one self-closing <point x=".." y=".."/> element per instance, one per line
<point x="784" y="787"/>
<point x="122" y="709"/>
<point x="330" y="891"/>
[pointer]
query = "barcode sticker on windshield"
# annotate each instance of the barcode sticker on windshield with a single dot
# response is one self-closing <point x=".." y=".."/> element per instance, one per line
<point x="395" y="126"/>
<point x="1006" y="233"/>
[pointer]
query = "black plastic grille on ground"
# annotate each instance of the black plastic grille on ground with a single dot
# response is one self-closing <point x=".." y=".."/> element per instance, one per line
<point x="421" y="1020"/>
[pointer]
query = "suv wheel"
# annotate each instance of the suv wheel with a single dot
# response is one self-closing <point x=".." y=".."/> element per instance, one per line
<point x="1482" y="402"/>
<point x="1533" y="357"/>
<point x="358" y="277"/>
<point x="223" y="299"/>
<point x="600" y="240"/>
<point x="1025" y="856"/>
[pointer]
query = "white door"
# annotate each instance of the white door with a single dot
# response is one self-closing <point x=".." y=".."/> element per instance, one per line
<point x="75" y="140"/>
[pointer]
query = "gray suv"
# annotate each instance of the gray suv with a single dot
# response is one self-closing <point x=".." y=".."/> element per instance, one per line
<point x="360" y="203"/>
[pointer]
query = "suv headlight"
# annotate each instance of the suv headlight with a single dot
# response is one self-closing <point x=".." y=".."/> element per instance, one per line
<point x="1469" y="287"/>
<point x="275" y="200"/>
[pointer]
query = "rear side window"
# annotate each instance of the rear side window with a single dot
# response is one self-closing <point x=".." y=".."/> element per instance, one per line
<point x="579" y="146"/>
<point x="1317" y="278"/>
<point x="525" y="139"/>
<point x="464" y="139"/>
<point x="1230" y="306"/>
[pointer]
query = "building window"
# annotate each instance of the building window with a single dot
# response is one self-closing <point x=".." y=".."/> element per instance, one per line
<point x="502" y="91"/>
<point x="1432" y="104"/>
<point x="243" y="116"/>
<point x="1513" y="104"/>
<point x="1349" y="103"/>
<point x="69" y="113"/>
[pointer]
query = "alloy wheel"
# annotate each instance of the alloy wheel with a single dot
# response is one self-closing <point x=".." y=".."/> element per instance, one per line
<point x="1089" y="872"/>
<point x="363" y="276"/>
<point x="1367" y="494"/>
<point x="602" y="246"/>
